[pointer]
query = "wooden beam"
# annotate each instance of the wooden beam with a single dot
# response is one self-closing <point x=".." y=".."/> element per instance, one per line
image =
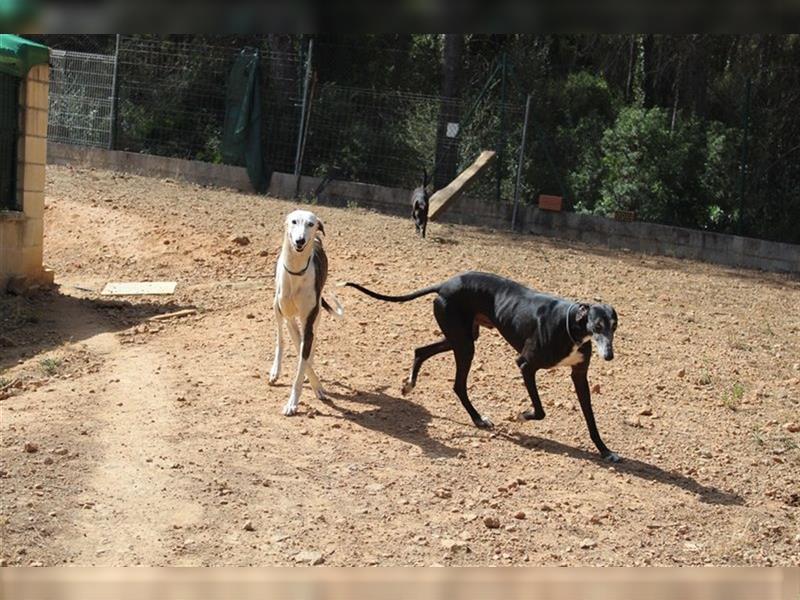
<point x="447" y="195"/>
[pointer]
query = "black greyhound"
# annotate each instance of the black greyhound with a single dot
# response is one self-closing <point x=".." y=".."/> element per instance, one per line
<point x="419" y="205"/>
<point x="545" y="330"/>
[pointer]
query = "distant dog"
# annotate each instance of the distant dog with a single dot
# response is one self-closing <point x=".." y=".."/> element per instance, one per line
<point x="419" y="205"/>
<point x="300" y="275"/>
<point x="545" y="330"/>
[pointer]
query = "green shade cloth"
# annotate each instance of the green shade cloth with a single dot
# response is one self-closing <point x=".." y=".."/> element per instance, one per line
<point x="241" y="131"/>
<point x="18" y="55"/>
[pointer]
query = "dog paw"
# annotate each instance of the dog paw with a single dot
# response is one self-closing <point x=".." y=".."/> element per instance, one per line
<point x="407" y="387"/>
<point x="290" y="409"/>
<point x="612" y="457"/>
<point x="320" y="394"/>
<point x="484" y="423"/>
<point x="273" y="376"/>
<point x="532" y="415"/>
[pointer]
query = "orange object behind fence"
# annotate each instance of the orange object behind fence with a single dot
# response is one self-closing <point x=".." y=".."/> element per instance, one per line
<point x="554" y="203"/>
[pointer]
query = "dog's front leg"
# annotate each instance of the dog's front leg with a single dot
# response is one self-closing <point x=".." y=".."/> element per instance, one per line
<point x="581" y="384"/>
<point x="313" y="379"/>
<point x="290" y="407"/>
<point x="275" y="371"/>
<point x="305" y="347"/>
<point x="529" y="377"/>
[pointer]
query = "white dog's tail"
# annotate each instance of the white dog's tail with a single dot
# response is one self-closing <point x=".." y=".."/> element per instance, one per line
<point x="338" y="310"/>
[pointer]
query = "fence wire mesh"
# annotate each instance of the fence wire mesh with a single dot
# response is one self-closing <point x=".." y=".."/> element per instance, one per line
<point x="170" y="100"/>
<point x="81" y="98"/>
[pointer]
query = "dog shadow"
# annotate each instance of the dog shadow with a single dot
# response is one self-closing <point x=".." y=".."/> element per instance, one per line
<point x="444" y="241"/>
<point x="630" y="466"/>
<point x="397" y="417"/>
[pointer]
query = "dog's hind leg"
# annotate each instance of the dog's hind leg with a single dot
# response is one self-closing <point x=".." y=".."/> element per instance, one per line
<point x="529" y="377"/>
<point x="585" y="400"/>
<point x="275" y="371"/>
<point x="422" y="354"/>
<point x="460" y="335"/>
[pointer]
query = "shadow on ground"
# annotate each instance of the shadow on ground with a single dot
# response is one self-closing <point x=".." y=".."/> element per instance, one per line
<point x="32" y="325"/>
<point x="630" y="466"/>
<point x="397" y="417"/>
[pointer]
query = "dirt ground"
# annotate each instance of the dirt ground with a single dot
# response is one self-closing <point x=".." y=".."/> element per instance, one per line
<point x="127" y="441"/>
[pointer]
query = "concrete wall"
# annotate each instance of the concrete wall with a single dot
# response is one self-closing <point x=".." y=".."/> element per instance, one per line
<point x="21" y="232"/>
<point x="649" y="238"/>
<point x="193" y="171"/>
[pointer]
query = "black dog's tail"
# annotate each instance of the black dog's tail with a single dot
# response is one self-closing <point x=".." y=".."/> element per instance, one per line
<point x="428" y="290"/>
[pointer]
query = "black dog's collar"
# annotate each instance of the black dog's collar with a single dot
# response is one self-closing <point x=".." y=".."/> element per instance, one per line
<point x="569" y="333"/>
<point x="297" y="272"/>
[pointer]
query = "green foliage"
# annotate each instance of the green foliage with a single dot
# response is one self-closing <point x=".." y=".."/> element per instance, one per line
<point x="50" y="366"/>
<point x="640" y="159"/>
<point x="673" y="173"/>
<point x="733" y="400"/>
<point x="589" y="111"/>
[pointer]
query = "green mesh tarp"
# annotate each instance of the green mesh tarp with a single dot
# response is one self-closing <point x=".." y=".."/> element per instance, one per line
<point x="241" y="133"/>
<point x="18" y="55"/>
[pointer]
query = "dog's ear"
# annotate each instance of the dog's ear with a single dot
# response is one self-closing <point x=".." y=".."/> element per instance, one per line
<point x="582" y="313"/>
<point x="320" y="227"/>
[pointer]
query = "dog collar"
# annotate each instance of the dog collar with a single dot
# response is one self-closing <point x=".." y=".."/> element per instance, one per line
<point x="569" y="333"/>
<point x="304" y="269"/>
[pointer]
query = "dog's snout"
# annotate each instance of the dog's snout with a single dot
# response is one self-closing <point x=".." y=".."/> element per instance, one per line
<point x="300" y="242"/>
<point x="609" y="354"/>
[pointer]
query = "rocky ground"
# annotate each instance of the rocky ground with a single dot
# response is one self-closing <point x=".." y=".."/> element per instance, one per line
<point x="133" y="441"/>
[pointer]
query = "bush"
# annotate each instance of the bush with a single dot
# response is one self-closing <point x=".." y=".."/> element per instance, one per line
<point x="678" y="176"/>
<point x="589" y="111"/>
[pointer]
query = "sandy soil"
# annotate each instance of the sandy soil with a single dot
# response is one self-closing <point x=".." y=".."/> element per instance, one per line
<point x="160" y="442"/>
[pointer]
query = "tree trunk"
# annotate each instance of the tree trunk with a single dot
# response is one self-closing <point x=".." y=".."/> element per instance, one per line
<point x="648" y="71"/>
<point x="700" y="57"/>
<point x="632" y="51"/>
<point x="449" y="111"/>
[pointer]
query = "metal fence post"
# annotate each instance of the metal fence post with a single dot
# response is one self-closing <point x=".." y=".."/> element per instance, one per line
<point x="112" y="138"/>
<point x="519" y="163"/>
<point x="743" y="168"/>
<point x="302" y="119"/>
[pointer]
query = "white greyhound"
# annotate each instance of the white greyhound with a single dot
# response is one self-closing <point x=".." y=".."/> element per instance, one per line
<point x="299" y="278"/>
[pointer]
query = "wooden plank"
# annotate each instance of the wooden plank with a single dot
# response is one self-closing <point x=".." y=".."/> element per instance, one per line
<point x="448" y="194"/>
<point x="136" y="288"/>
<point x="174" y="315"/>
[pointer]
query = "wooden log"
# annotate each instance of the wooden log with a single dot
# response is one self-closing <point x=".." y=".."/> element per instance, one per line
<point x="448" y="194"/>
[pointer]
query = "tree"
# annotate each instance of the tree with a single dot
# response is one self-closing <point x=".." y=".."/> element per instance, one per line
<point x="449" y="112"/>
